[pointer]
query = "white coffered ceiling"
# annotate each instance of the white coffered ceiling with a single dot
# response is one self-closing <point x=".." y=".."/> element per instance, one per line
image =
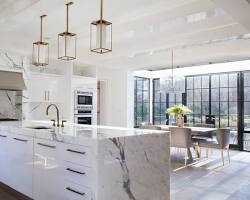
<point x="199" y="31"/>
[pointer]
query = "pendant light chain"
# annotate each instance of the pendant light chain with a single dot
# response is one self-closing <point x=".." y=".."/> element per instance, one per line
<point x="101" y="11"/>
<point x="172" y="55"/>
<point x="41" y="27"/>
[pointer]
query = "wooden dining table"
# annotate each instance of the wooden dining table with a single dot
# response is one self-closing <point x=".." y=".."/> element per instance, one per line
<point x="195" y="131"/>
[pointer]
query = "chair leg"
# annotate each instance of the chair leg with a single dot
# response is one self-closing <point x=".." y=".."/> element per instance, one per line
<point x="228" y="154"/>
<point x="186" y="156"/>
<point x="222" y="157"/>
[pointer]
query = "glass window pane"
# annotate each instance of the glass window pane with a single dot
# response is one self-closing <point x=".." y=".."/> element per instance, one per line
<point x="233" y="80"/>
<point x="197" y="119"/>
<point x="157" y="96"/>
<point x="157" y="109"/>
<point x="205" y="94"/>
<point x="178" y="97"/>
<point x="190" y="106"/>
<point x="197" y="95"/>
<point x="205" y="108"/>
<point x="190" y="96"/>
<point x="163" y="109"/>
<point x="139" y="84"/>
<point x="223" y="108"/>
<point x="190" y="82"/>
<point x="157" y="84"/>
<point x="233" y="94"/>
<point x="247" y="78"/>
<point x="197" y="82"/>
<point x="215" y="94"/>
<point x="145" y="96"/>
<point x="145" y="84"/>
<point x="205" y="81"/>
<point x="223" y="94"/>
<point x="247" y="108"/>
<point x="197" y="108"/>
<point x="233" y="120"/>
<point x="214" y="81"/>
<point x="247" y="93"/>
<point x="163" y="97"/>
<point x="224" y="80"/>
<point x="171" y="97"/>
<point x="223" y="121"/>
<point x="139" y="96"/>
<point x="215" y="108"/>
<point x="233" y="108"/>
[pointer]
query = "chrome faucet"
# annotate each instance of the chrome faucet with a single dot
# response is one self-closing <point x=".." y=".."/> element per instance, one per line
<point x="57" y="113"/>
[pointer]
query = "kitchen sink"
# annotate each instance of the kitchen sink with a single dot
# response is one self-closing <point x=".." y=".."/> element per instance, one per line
<point x="40" y="127"/>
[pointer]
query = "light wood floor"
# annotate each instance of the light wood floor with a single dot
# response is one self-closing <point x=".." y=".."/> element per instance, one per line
<point x="207" y="179"/>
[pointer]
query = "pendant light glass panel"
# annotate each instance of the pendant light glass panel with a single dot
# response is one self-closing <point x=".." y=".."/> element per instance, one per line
<point x="67" y="41"/>
<point x="101" y="36"/>
<point x="67" y="46"/>
<point x="171" y="84"/>
<point x="40" y="53"/>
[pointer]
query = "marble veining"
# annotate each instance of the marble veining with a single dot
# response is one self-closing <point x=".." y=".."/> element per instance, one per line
<point x="124" y="167"/>
<point x="10" y="104"/>
<point x="127" y="164"/>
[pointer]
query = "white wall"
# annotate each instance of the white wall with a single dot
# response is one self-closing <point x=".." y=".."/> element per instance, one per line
<point x="116" y="98"/>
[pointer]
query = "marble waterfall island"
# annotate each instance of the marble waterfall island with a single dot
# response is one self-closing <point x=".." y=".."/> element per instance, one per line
<point x="86" y="162"/>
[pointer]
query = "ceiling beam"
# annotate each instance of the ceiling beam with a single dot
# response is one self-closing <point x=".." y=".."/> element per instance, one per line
<point x="239" y="10"/>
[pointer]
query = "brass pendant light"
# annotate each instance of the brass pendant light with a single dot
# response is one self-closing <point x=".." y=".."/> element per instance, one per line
<point x="40" y="56"/>
<point x="67" y="40"/>
<point x="101" y="34"/>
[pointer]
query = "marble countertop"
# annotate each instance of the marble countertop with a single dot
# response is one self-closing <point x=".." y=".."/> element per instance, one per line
<point x="73" y="133"/>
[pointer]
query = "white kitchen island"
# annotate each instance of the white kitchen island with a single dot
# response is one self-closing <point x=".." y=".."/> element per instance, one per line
<point x="84" y="162"/>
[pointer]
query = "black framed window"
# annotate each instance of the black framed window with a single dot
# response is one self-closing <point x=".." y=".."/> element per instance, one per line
<point x="198" y="96"/>
<point x="214" y="95"/>
<point x="162" y="101"/>
<point x="246" y="113"/>
<point x="141" y="100"/>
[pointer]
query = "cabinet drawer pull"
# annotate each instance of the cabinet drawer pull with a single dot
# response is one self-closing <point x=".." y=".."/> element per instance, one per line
<point x="46" y="145"/>
<point x="71" y="190"/>
<point x="20" y="140"/>
<point x="74" y="151"/>
<point x="3" y="136"/>
<point x="71" y="170"/>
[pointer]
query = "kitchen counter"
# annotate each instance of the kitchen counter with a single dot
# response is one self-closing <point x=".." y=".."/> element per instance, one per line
<point x="118" y="163"/>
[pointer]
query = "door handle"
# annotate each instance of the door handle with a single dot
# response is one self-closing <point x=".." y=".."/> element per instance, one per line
<point x="72" y="190"/>
<point x="74" y="171"/>
<point x="46" y="145"/>
<point x="74" y="151"/>
<point x="20" y="140"/>
<point x="3" y="136"/>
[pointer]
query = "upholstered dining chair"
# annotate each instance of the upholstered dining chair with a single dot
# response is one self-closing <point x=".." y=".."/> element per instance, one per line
<point x="181" y="138"/>
<point x="221" y="143"/>
<point x="204" y="136"/>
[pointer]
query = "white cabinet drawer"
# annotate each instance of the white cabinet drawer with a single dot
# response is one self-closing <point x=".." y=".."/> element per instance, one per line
<point x="77" y="154"/>
<point x="76" y="192"/>
<point x="78" y="174"/>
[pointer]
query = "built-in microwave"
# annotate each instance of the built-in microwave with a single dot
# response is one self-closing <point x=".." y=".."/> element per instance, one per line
<point x="83" y="100"/>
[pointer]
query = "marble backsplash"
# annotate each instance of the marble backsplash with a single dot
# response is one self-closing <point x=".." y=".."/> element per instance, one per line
<point x="10" y="104"/>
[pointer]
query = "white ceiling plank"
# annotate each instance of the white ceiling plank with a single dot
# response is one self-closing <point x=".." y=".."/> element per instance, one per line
<point x="238" y="9"/>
